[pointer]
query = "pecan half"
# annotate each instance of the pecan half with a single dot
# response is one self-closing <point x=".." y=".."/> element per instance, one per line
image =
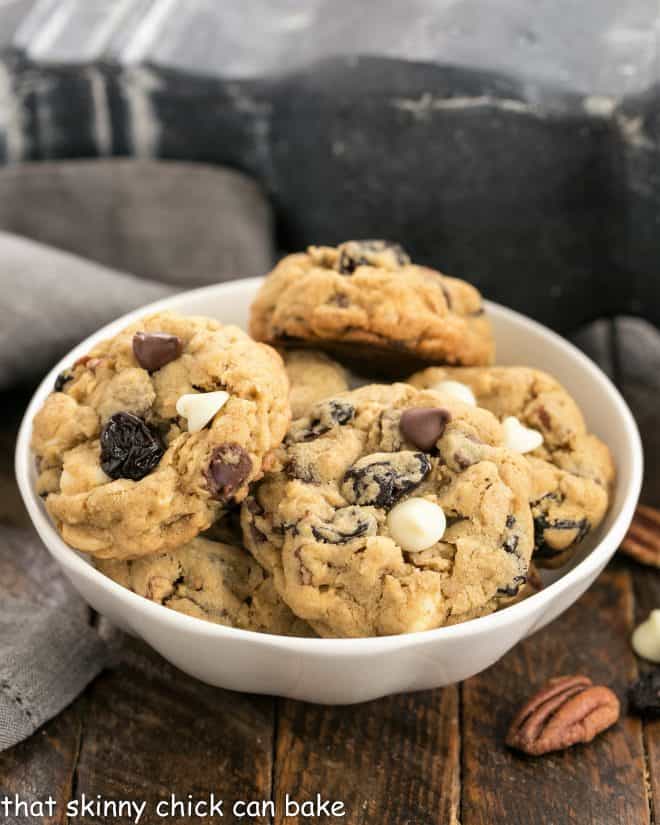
<point x="567" y="710"/>
<point x="643" y="540"/>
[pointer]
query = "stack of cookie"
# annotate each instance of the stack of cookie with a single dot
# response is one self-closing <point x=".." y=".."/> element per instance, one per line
<point x="175" y="455"/>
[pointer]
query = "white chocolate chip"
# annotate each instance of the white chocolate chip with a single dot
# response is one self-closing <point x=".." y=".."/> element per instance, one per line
<point x="520" y="438"/>
<point x="200" y="407"/>
<point x="460" y="391"/>
<point x="416" y="524"/>
<point x="646" y="638"/>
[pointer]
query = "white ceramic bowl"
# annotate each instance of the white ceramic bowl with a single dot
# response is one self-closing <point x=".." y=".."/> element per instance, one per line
<point x="338" y="671"/>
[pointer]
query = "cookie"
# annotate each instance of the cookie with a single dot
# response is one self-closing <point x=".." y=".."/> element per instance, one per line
<point x="211" y="581"/>
<point x="312" y="376"/>
<point x="148" y="437"/>
<point x="367" y="304"/>
<point x="392" y="510"/>
<point x="572" y="470"/>
<point x="531" y="587"/>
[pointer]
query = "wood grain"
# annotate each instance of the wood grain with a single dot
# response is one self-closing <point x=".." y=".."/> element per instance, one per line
<point x="43" y="766"/>
<point x="637" y="349"/>
<point x="151" y="731"/>
<point x="600" y="783"/>
<point x="647" y="597"/>
<point x="395" y="760"/>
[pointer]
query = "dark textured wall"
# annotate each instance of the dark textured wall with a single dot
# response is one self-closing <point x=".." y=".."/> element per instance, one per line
<point x="517" y="149"/>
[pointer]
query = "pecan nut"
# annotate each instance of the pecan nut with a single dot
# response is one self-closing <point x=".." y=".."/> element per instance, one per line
<point x="642" y="542"/>
<point x="566" y="711"/>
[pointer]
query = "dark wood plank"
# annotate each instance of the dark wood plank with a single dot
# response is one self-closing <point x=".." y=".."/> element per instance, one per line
<point x="637" y="346"/>
<point x="151" y="731"/>
<point x="647" y="597"/>
<point x="43" y="766"/>
<point x="391" y="761"/>
<point x="600" y="783"/>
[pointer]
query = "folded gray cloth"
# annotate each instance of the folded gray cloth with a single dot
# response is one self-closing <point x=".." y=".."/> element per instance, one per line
<point x="47" y="656"/>
<point x="51" y="300"/>
<point x="171" y="225"/>
<point x="179" y="223"/>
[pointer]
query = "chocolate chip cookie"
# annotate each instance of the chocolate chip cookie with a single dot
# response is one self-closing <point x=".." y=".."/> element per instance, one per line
<point x="366" y="303"/>
<point x="572" y="470"/>
<point x="392" y="510"/>
<point x="147" y="438"/>
<point x="312" y="376"/>
<point x="211" y="581"/>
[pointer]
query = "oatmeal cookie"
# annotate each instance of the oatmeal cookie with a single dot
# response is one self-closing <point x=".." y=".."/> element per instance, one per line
<point x="147" y="438"/>
<point x="392" y="510"/>
<point x="212" y="581"/>
<point x="572" y="470"/>
<point x="366" y="303"/>
<point x="312" y="376"/>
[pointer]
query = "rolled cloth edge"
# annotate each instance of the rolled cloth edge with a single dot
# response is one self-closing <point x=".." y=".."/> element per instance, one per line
<point x="50" y="300"/>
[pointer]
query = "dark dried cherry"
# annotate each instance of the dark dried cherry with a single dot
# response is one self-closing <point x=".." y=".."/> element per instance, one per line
<point x="382" y="479"/>
<point x="129" y="448"/>
<point x="644" y="695"/>
<point x="322" y="419"/>
<point x="347" y="523"/>
<point x="541" y="524"/>
<point x="63" y="378"/>
<point x="353" y="254"/>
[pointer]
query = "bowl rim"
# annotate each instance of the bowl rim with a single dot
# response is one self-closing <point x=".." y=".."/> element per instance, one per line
<point x="70" y="560"/>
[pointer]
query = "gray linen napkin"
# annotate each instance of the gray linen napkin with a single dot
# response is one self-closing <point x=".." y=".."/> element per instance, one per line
<point x="47" y="656"/>
<point x="173" y="226"/>
<point x="180" y="223"/>
<point x="51" y="300"/>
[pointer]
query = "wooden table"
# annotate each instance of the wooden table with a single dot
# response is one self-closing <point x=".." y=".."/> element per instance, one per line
<point x="143" y="730"/>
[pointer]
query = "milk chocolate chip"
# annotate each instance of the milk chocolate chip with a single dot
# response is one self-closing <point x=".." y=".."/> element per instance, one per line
<point x="230" y="465"/>
<point x="153" y="350"/>
<point x="423" y="426"/>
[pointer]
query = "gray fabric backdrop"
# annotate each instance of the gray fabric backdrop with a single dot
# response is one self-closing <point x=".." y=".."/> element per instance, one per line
<point x="167" y="226"/>
<point x="151" y="228"/>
